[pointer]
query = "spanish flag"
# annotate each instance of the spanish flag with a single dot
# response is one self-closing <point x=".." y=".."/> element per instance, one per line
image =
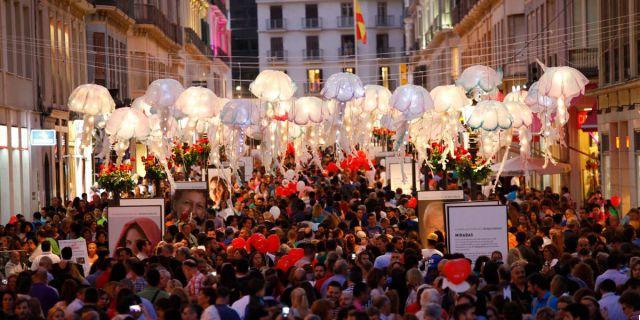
<point x="361" y="31"/>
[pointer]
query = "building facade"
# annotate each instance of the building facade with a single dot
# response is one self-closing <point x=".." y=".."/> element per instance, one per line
<point x="618" y="97"/>
<point x="311" y="40"/>
<point x="245" y="64"/>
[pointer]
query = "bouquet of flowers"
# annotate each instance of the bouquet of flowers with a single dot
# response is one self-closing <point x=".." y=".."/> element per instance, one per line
<point x="383" y="136"/>
<point x="153" y="169"/>
<point x="187" y="156"/>
<point x="470" y="169"/>
<point x="435" y="156"/>
<point x="116" y="179"/>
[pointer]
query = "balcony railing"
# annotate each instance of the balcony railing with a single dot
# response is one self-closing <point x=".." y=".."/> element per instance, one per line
<point x="460" y="11"/>
<point x="346" y="51"/>
<point x="150" y="14"/>
<point x="192" y="38"/>
<point x="125" y="6"/>
<point x="312" y="87"/>
<point x="312" y="54"/>
<point x="311" y="23"/>
<point x="385" y="52"/>
<point x="585" y="60"/>
<point x="345" y="22"/>
<point x="276" y="24"/>
<point x="385" y="21"/>
<point x="277" y="55"/>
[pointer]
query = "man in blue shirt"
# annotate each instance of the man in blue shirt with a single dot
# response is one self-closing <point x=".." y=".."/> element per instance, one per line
<point x="609" y="303"/>
<point x="539" y="287"/>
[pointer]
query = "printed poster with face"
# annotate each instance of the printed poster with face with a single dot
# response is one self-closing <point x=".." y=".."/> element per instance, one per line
<point x="127" y="224"/>
<point x="189" y="200"/>
<point x="79" y="252"/>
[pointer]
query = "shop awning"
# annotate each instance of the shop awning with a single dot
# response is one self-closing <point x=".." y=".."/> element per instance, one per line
<point x="516" y="167"/>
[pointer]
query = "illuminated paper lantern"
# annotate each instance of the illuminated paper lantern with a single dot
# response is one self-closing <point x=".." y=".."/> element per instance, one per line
<point x="90" y="100"/>
<point x="273" y="86"/>
<point x="489" y="115"/>
<point x="343" y="87"/>
<point x="449" y="97"/>
<point x="306" y="110"/>
<point x="479" y="77"/>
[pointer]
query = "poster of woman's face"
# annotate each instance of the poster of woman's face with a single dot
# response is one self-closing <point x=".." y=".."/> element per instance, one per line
<point x="190" y="203"/>
<point x="128" y="224"/>
<point x="218" y="188"/>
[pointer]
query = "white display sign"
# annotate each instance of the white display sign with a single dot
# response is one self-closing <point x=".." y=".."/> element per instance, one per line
<point x="395" y="178"/>
<point x="441" y="195"/>
<point x="477" y="229"/>
<point x="79" y="252"/>
<point x="43" y="137"/>
<point x="136" y="202"/>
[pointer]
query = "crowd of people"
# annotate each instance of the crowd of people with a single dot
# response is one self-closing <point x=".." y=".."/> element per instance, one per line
<point x="363" y="258"/>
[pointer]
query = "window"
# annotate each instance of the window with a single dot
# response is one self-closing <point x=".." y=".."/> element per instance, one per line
<point x="275" y="12"/>
<point x="314" y="80"/>
<point x="626" y="64"/>
<point x="346" y="9"/>
<point x="100" y="76"/>
<point x="18" y="39"/>
<point x="27" y="44"/>
<point x="9" y="40"/>
<point x="382" y="43"/>
<point x="383" y="73"/>
<point x="313" y="47"/>
<point x="420" y="76"/>
<point x="616" y="65"/>
<point x="277" y="48"/>
<point x="347" y="45"/>
<point x="311" y="11"/>
<point x="607" y="67"/>
<point x="382" y="9"/>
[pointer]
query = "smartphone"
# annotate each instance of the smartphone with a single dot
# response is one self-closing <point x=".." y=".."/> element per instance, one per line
<point x="353" y="256"/>
<point x="213" y="273"/>
<point x="4" y="282"/>
<point x="285" y="312"/>
<point x="135" y="308"/>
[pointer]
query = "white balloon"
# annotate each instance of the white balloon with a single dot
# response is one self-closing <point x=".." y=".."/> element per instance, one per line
<point x="163" y="93"/>
<point x="300" y="186"/>
<point x="289" y="175"/>
<point x="275" y="212"/>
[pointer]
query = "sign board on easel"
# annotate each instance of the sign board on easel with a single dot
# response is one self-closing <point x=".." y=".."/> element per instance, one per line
<point x="431" y="210"/>
<point x="395" y="178"/>
<point x="477" y="229"/>
<point x="79" y="252"/>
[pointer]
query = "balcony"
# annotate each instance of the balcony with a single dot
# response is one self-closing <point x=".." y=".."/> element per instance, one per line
<point x="345" y="22"/>
<point x="149" y="14"/>
<point x="461" y="10"/>
<point x="585" y="60"/>
<point x="125" y="6"/>
<point x="274" y="56"/>
<point x="192" y="38"/>
<point x="312" y="54"/>
<point x="223" y="55"/>
<point x="312" y="87"/>
<point x="385" y="52"/>
<point x="346" y="51"/>
<point x="276" y="24"/>
<point x="311" y="23"/>
<point x="385" y="21"/>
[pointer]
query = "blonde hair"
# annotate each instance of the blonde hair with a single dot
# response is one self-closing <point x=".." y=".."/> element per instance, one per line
<point x="514" y="256"/>
<point x="299" y="300"/>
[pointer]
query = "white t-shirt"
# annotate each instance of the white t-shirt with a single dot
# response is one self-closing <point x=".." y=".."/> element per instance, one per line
<point x="210" y="313"/>
<point x="240" y="306"/>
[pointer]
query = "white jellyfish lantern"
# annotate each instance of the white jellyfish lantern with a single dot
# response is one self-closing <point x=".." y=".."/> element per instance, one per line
<point x="489" y="115"/>
<point x="126" y="124"/>
<point x="306" y="110"/>
<point x="240" y="113"/>
<point x="343" y="87"/>
<point x="273" y="86"/>
<point x="90" y="100"/>
<point x="449" y="97"/>
<point x="141" y="104"/>
<point x="411" y="101"/>
<point x="520" y="114"/>
<point x="163" y="93"/>
<point x="562" y="83"/>
<point x="478" y="77"/>
<point x="376" y="98"/>
<point x="199" y="105"/>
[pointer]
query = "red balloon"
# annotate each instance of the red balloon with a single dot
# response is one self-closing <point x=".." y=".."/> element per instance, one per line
<point x="457" y="270"/>
<point x="296" y="254"/>
<point x="615" y="200"/>
<point x="332" y="168"/>
<point x="412" y="203"/>
<point x="280" y="191"/>
<point x="238" y="243"/>
<point x="260" y="244"/>
<point x="284" y="263"/>
<point x="273" y="243"/>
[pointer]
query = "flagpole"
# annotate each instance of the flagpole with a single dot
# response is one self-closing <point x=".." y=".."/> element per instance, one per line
<point x="355" y="36"/>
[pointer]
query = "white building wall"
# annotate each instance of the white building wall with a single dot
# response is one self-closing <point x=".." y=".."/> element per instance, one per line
<point x="294" y="40"/>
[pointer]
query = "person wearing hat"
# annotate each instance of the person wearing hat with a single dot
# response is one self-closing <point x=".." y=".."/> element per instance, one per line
<point x="430" y="255"/>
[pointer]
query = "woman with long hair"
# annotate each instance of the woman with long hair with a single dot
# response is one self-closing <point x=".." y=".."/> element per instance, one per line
<point x="299" y="303"/>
